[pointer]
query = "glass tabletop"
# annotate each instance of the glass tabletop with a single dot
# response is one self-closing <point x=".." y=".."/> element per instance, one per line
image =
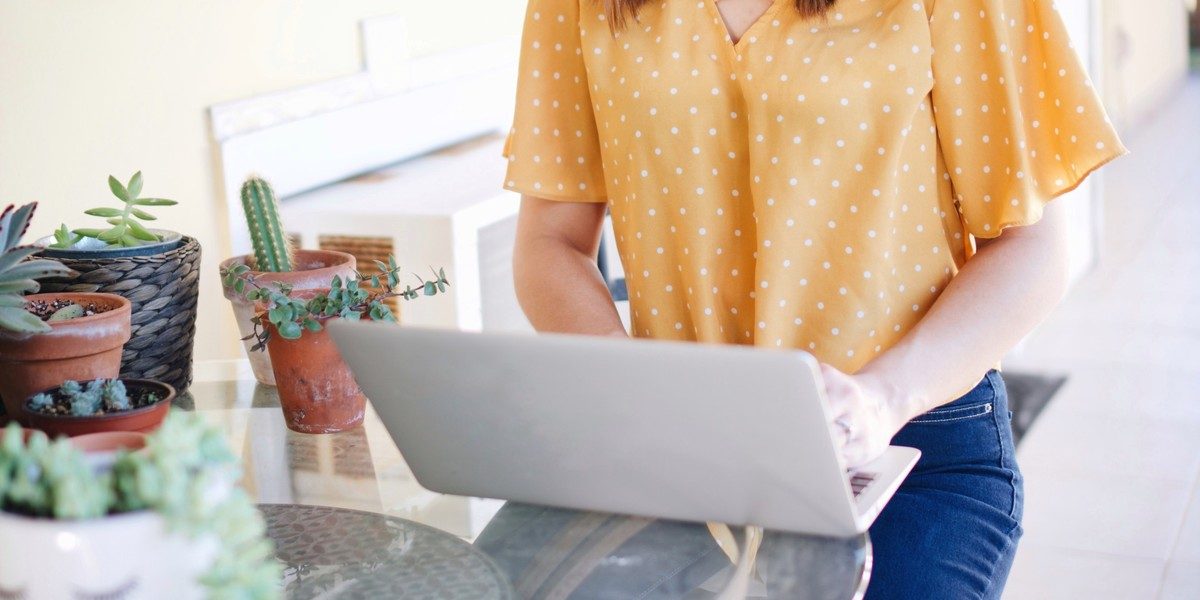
<point x="542" y="552"/>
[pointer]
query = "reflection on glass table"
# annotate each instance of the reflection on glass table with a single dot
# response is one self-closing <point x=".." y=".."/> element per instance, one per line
<point x="421" y="539"/>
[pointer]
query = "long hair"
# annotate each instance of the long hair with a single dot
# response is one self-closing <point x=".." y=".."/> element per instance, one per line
<point x="620" y="11"/>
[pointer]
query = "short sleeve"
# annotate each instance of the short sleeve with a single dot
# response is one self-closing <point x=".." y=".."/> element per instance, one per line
<point x="1018" y="120"/>
<point x="553" y="149"/>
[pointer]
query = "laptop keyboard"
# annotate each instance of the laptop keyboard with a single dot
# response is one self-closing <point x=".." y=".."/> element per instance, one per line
<point x="859" y="480"/>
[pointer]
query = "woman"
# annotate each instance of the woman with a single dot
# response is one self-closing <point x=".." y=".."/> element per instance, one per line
<point x="866" y="180"/>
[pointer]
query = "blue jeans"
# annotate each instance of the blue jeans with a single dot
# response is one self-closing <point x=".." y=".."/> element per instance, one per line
<point x="951" y="530"/>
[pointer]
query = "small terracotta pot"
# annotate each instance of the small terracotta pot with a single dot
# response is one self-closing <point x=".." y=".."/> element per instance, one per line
<point x="80" y="349"/>
<point x="314" y="269"/>
<point x="110" y="441"/>
<point x="317" y="391"/>
<point x="144" y="420"/>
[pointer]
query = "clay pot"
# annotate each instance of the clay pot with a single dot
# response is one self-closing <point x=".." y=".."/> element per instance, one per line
<point x="144" y="420"/>
<point x="314" y="269"/>
<point x="80" y="349"/>
<point x="317" y="391"/>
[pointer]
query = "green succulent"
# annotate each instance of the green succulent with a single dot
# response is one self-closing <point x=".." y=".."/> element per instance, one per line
<point x="273" y="250"/>
<point x="64" y="238"/>
<point x="186" y="473"/>
<point x="126" y="230"/>
<point x="19" y="274"/>
<point x="101" y="395"/>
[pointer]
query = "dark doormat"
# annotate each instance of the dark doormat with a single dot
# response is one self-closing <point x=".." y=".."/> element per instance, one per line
<point x="1028" y="394"/>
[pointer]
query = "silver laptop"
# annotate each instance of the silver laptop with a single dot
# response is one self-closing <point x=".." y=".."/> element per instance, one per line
<point x="672" y="430"/>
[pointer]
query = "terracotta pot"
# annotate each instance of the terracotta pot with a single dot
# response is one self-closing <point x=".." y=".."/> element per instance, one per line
<point x="314" y="269"/>
<point x="110" y="441"/>
<point x="144" y="420"/>
<point x="80" y="349"/>
<point x="317" y="391"/>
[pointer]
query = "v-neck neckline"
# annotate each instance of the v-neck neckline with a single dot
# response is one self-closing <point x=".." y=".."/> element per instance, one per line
<point x="758" y="23"/>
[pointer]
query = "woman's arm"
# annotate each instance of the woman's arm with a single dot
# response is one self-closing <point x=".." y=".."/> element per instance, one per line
<point x="998" y="297"/>
<point x="554" y="268"/>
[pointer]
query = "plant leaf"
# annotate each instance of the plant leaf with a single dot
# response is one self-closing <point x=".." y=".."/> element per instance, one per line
<point x="154" y="202"/>
<point x="21" y="321"/>
<point x="104" y="212"/>
<point x="36" y="269"/>
<point x="14" y="256"/>
<point x="112" y="236"/>
<point x="20" y="286"/>
<point x="135" y="185"/>
<point x="118" y="190"/>
<point x="141" y="232"/>
<point x="92" y="233"/>
<point x="143" y="215"/>
<point x="290" y="331"/>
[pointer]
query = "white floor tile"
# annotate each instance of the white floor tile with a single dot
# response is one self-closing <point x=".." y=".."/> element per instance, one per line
<point x="1120" y="516"/>
<point x="1182" y="581"/>
<point x="1042" y="572"/>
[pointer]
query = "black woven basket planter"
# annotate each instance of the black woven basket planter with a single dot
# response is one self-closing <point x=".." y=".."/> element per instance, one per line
<point x="164" y="289"/>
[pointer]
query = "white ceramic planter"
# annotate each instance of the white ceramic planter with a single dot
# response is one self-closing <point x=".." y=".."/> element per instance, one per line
<point x="124" y="556"/>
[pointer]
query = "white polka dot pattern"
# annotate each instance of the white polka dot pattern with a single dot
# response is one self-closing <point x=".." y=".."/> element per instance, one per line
<point x="814" y="185"/>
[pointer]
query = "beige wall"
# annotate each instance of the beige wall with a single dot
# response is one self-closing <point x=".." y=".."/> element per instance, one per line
<point x="1145" y="44"/>
<point x="91" y="88"/>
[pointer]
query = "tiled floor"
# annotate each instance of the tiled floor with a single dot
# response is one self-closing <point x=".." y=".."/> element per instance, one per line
<point x="1113" y="465"/>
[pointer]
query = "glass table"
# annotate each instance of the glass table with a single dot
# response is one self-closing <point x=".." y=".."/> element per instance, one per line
<point x="350" y="521"/>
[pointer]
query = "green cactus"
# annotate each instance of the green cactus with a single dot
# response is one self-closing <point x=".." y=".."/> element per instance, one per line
<point x="18" y="274"/>
<point x="115" y="397"/>
<point x="272" y="250"/>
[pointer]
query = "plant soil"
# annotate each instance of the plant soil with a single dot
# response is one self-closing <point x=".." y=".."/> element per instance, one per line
<point x="138" y="398"/>
<point x="43" y="309"/>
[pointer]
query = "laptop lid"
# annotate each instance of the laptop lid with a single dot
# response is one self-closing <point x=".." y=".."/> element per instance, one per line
<point x="661" y="429"/>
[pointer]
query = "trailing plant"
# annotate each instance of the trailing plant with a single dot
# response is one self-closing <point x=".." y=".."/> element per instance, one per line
<point x="99" y="397"/>
<point x="186" y="473"/>
<point x="273" y="252"/>
<point x="19" y="274"/>
<point x="346" y="299"/>
<point x="126" y="230"/>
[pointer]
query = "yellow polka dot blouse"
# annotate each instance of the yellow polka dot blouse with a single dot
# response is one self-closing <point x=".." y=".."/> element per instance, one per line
<point x="813" y="185"/>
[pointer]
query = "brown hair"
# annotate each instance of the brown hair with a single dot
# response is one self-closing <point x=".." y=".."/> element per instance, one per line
<point x="620" y="11"/>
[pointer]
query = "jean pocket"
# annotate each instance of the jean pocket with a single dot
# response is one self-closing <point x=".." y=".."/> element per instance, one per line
<point x="954" y="414"/>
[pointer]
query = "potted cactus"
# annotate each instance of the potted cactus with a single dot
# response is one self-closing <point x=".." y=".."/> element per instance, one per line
<point x="166" y="521"/>
<point x="275" y="260"/>
<point x="46" y="339"/>
<point x="156" y="270"/>
<point x="100" y="405"/>
<point x="317" y="391"/>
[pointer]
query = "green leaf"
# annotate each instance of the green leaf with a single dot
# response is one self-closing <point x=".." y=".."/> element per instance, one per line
<point x="21" y="321"/>
<point x="12" y="300"/>
<point x="19" y="286"/>
<point x="430" y="289"/>
<point x="14" y="256"/>
<point x="143" y="215"/>
<point x="312" y="325"/>
<point x="290" y="331"/>
<point x="130" y="241"/>
<point x="112" y="236"/>
<point x="104" y="212"/>
<point x="441" y="287"/>
<point x="154" y="202"/>
<point x="92" y="233"/>
<point x="140" y="232"/>
<point x="375" y="281"/>
<point x="36" y="269"/>
<point x="135" y="185"/>
<point x="118" y="190"/>
<point x="239" y="286"/>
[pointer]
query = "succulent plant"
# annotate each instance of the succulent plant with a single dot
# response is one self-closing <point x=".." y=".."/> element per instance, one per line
<point x="64" y="238"/>
<point x="100" y="396"/>
<point x="186" y="473"/>
<point x="19" y="274"/>
<point x="41" y="478"/>
<point x="346" y="299"/>
<point x="273" y="251"/>
<point x="126" y="230"/>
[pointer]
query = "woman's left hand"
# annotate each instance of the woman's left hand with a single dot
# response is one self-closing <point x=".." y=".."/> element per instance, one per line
<point x="864" y="415"/>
